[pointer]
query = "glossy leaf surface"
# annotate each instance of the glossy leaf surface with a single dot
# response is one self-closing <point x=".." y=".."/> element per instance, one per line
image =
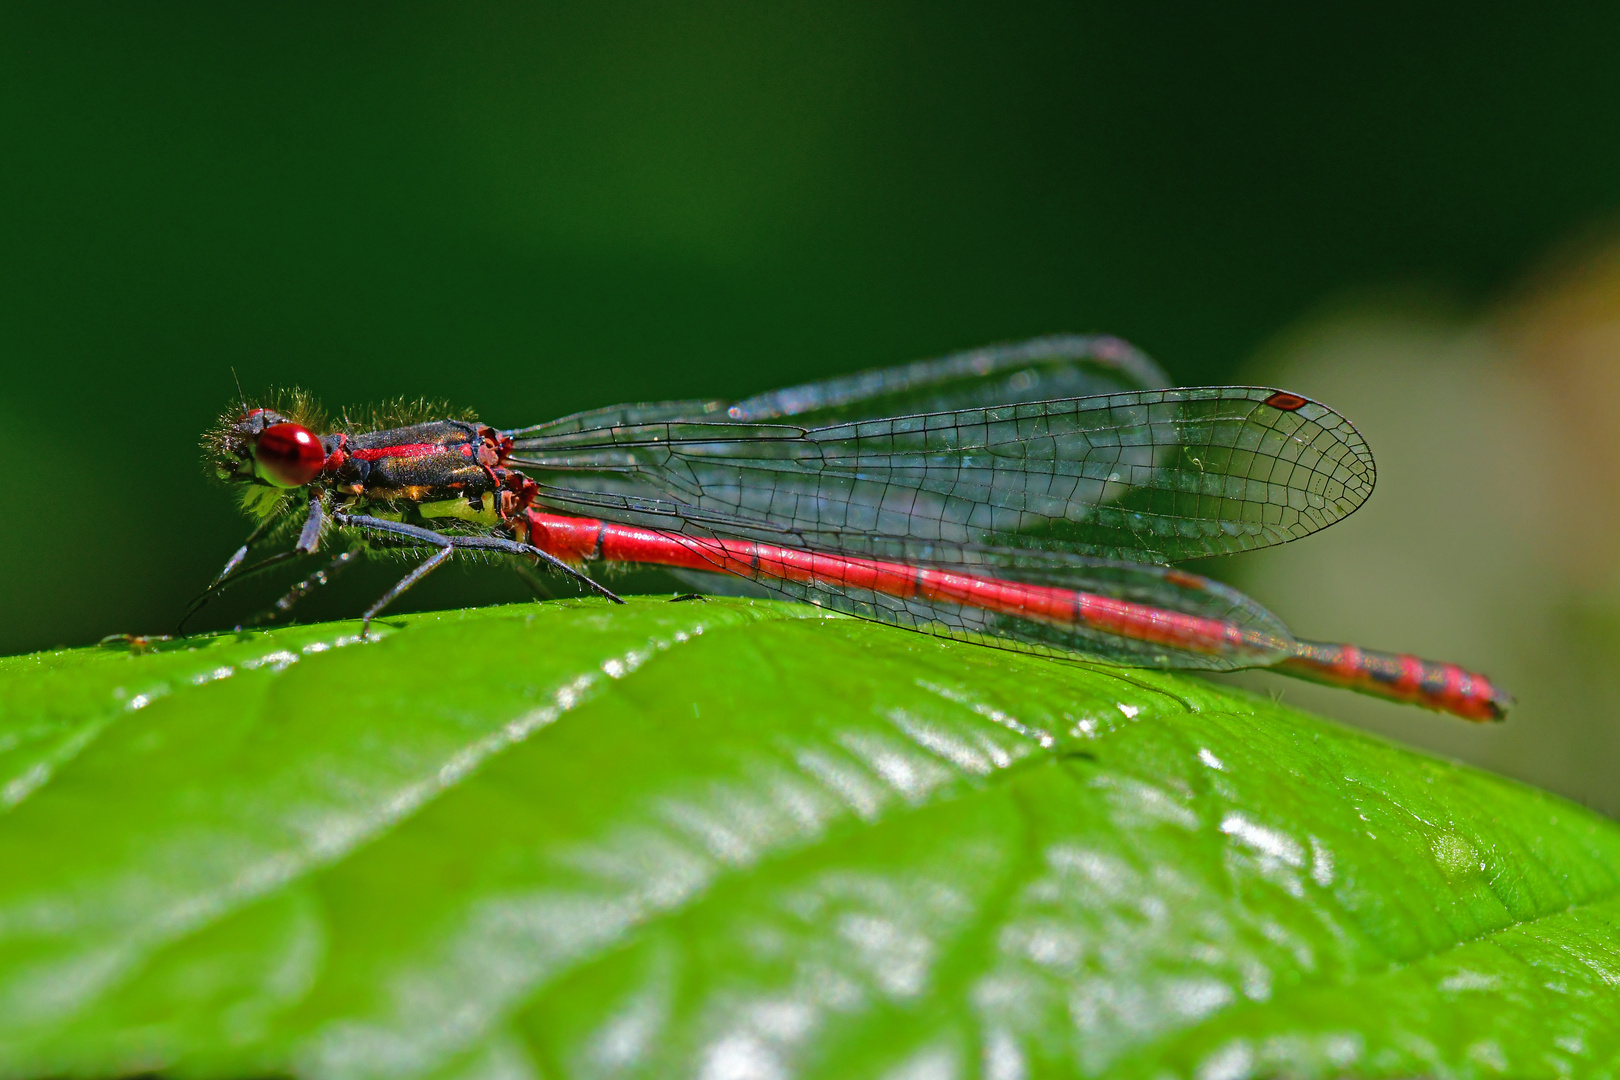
<point x="738" y="839"/>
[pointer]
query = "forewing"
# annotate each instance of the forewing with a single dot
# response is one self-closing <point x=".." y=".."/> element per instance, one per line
<point x="619" y="416"/>
<point x="1149" y="476"/>
<point x="1059" y="366"/>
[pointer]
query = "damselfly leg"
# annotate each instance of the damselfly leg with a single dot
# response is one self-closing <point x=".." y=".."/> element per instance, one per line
<point x="321" y="577"/>
<point x="309" y="537"/>
<point x="448" y="545"/>
<point x="423" y="569"/>
<point x="222" y="583"/>
<point x="241" y="553"/>
<point x="309" y="541"/>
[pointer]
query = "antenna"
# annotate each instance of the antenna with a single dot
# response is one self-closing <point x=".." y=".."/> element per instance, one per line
<point x="241" y="397"/>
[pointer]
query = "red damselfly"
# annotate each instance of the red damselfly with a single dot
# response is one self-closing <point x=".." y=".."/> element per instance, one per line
<point x="1028" y="496"/>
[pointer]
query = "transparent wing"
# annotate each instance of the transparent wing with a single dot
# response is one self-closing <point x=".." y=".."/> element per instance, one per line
<point x="613" y="416"/>
<point x="1146" y="476"/>
<point x="1060" y="366"/>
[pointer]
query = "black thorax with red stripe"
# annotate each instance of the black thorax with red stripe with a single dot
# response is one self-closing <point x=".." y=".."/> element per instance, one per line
<point x="441" y="459"/>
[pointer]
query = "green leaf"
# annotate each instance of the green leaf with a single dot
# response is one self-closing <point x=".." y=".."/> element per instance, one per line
<point x="738" y="839"/>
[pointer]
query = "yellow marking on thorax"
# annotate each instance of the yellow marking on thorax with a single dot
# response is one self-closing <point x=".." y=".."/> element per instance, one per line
<point x="462" y="510"/>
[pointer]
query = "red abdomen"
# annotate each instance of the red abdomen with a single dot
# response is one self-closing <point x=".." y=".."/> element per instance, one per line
<point x="1400" y="677"/>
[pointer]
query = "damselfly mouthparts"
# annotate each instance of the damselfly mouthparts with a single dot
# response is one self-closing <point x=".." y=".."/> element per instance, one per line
<point x="1029" y="497"/>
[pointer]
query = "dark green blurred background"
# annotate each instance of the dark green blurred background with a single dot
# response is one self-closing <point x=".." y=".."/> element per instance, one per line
<point x="534" y="208"/>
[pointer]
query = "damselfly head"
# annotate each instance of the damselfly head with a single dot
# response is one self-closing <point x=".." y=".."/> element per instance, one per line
<point x="266" y="446"/>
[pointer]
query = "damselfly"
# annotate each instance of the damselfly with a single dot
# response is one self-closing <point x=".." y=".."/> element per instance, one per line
<point x="1029" y="496"/>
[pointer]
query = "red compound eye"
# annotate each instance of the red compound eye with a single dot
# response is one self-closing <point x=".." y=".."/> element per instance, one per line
<point x="289" y="455"/>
